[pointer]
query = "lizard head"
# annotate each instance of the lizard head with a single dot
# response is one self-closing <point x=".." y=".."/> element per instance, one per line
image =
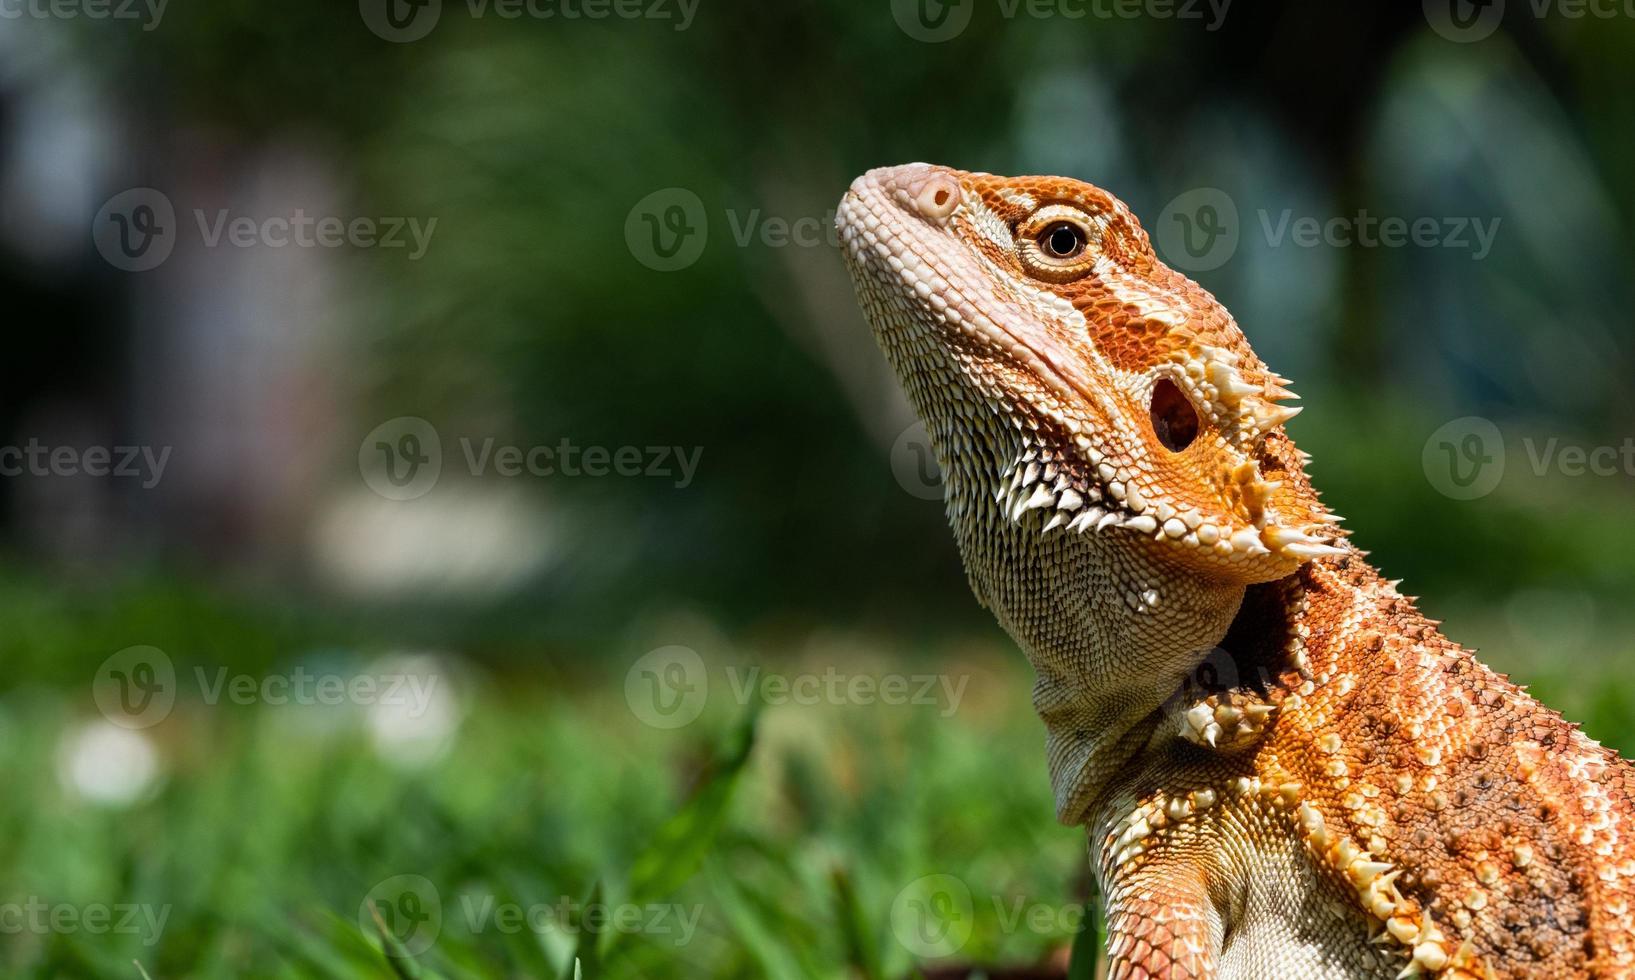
<point x="1031" y="317"/>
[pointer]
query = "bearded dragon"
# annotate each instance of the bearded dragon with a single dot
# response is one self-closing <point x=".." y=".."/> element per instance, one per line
<point x="1284" y="768"/>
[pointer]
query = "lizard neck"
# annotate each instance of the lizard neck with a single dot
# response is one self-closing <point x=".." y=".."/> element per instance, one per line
<point x="1111" y="628"/>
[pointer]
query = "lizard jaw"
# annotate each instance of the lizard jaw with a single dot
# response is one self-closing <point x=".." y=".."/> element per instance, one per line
<point x="1034" y="484"/>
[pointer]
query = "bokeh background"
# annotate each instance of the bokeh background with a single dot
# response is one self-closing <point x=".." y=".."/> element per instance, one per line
<point x="744" y="720"/>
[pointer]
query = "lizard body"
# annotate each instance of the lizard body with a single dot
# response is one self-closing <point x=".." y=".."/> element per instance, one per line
<point x="1284" y="768"/>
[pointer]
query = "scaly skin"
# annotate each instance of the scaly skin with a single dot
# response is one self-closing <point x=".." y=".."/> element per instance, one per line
<point x="1286" y="771"/>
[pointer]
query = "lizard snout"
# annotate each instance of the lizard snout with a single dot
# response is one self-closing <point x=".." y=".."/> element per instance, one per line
<point x="923" y="189"/>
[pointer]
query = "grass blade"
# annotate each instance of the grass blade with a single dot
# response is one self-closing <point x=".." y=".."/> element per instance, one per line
<point x="682" y="842"/>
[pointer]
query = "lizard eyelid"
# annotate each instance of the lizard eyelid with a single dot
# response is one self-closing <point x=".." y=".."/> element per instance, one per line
<point x="1056" y="243"/>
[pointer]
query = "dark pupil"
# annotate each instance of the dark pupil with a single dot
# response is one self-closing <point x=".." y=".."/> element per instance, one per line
<point x="1063" y="241"/>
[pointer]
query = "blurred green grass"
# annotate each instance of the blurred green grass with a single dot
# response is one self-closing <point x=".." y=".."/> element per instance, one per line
<point x="268" y="826"/>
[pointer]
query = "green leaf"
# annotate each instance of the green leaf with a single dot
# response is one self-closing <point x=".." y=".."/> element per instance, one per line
<point x="1086" y="946"/>
<point x="397" y="955"/>
<point x="680" y="845"/>
<point x="860" y="948"/>
<point x="585" y="965"/>
<point x="762" y="940"/>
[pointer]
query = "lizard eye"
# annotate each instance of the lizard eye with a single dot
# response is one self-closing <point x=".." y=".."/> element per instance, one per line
<point x="1056" y="243"/>
<point x="1062" y="241"/>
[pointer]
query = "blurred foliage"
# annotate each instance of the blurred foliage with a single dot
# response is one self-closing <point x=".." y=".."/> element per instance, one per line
<point x="269" y="826"/>
<point x="530" y="140"/>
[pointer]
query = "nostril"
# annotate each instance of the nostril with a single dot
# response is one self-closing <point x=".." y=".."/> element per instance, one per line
<point x="1174" y="420"/>
<point x="938" y="198"/>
